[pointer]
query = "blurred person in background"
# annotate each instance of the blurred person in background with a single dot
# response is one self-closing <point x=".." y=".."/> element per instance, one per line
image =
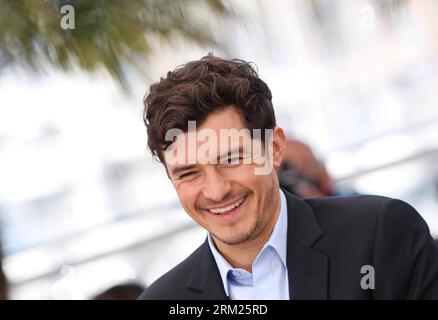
<point x="262" y="241"/>
<point x="127" y="291"/>
<point x="3" y="283"/>
<point x="302" y="174"/>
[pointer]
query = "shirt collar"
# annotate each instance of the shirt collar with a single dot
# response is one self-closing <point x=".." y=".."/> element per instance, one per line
<point x="277" y="240"/>
<point x="222" y="264"/>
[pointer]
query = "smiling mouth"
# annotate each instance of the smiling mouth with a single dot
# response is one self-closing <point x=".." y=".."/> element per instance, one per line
<point x="225" y="210"/>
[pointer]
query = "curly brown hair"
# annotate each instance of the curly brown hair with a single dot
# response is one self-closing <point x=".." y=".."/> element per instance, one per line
<point x="196" y="89"/>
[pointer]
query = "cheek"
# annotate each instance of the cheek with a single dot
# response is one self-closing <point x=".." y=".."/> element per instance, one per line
<point x="244" y="174"/>
<point x="185" y="196"/>
<point x="253" y="181"/>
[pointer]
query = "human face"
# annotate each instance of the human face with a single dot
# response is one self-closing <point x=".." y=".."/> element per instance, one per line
<point x="229" y="200"/>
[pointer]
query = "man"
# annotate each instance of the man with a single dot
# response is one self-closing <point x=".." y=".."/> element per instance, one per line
<point x="302" y="174"/>
<point x="264" y="243"/>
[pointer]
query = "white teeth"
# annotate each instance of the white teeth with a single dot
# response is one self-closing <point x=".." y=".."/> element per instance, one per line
<point x="225" y="209"/>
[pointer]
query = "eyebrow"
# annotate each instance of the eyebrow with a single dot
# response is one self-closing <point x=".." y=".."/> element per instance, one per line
<point x="180" y="169"/>
<point x="238" y="150"/>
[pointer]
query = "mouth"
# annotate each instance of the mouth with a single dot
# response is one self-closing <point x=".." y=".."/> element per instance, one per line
<point x="226" y="210"/>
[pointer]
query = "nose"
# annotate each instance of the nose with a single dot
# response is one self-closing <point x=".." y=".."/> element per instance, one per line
<point x="216" y="186"/>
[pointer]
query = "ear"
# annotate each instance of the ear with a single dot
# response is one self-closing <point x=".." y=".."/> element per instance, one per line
<point x="278" y="147"/>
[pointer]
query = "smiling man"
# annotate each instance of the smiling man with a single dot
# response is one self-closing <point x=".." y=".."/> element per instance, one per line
<point x="264" y="243"/>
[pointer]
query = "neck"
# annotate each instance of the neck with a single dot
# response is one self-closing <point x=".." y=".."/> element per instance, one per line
<point x="243" y="255"/>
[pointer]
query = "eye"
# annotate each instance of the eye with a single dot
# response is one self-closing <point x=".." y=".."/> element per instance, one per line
<point x="187" y="175"/>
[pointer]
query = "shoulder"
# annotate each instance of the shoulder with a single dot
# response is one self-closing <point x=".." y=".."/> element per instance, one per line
<point x="359" y="203"/>
<point x="386" y="233"/>
<point x="366" y="214"/>
<point x="171" y="285"/>
<point x="362" y="207"/>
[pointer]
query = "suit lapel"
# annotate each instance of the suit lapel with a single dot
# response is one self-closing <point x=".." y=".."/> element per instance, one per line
<point x="205" y="278"/>
<point x="307" y="271"/>
<point x="307" y="268"/>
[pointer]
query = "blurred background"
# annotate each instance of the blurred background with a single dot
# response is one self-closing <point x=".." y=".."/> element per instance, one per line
<point x="83" y="207"/>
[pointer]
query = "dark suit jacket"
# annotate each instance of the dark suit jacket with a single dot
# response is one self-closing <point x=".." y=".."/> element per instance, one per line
<point x="329" y="240"/>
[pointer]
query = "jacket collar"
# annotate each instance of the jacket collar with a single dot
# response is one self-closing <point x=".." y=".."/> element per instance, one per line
<point x="307" y="268"/>
<point x="205" y="277"/>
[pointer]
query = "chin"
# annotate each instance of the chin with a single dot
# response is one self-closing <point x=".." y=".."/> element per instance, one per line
<point x="234" y="239"/>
